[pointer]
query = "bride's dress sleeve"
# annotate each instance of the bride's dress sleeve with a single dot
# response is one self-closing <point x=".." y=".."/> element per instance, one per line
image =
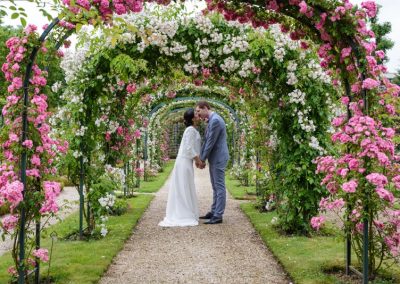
<point x="190" y="143"/>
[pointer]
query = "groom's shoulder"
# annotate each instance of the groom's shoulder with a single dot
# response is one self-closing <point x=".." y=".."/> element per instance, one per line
<point x="217" y="116"/>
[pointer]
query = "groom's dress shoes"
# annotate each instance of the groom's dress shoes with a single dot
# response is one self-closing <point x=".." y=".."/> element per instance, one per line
<point x="214" y="220"/>
<point x="209" y="215"/>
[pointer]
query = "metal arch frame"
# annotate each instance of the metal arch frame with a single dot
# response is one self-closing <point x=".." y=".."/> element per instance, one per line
<point x="26" y="83"/>
<point x="24" y="162"/>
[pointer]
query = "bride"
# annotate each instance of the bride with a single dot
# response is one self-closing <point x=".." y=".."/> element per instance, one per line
<point x="182" y="208"/>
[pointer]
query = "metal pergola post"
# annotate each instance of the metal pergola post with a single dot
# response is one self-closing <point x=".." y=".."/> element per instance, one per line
<point x="348" y="232"/>
<point x="81" y="196"/>
<point x="137" y="162"/>
<point x="24" y="155"/>
<point x="366" y="208"/>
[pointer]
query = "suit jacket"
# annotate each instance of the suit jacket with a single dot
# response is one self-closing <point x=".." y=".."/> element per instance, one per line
<point x="215" y="148"/>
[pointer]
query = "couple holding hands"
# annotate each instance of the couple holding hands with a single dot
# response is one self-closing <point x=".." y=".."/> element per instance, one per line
<point x="182" y="205"/>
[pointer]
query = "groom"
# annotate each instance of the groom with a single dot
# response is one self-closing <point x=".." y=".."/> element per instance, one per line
<point x="215" y="149"/>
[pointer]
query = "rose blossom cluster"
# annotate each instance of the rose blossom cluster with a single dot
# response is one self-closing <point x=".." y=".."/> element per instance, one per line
<point x="105" y="7"/>
<point x="139" y="172"/>
<point x="121" y="132"/>
<point x="51" y="190"/>
<point x="323" y="22"/>
<point x="42" y="254"/>
<point x="392" y="224"/>
<point x="164" y="147"/>
<point x="41" y="148"/>
<point x="347" y="177"/>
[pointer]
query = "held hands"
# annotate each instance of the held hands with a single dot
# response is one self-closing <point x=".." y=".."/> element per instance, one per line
<point x="199" y="163"/>
<point x="202" y="165"/>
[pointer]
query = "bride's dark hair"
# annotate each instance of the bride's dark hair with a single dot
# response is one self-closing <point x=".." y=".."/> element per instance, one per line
<point x="188" y="117"/>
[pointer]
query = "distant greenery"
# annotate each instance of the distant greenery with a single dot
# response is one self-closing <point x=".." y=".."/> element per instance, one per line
<point x="239" y="191"/>
<point x="154" y="185"/>
<point x="396" y="79"/>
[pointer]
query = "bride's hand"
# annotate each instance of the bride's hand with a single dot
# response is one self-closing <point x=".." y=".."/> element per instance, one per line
<point x="199" y="163"/>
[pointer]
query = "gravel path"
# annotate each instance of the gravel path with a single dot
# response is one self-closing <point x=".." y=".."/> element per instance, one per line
<point x="231" y="252"/>
<point x="68" y="202"/>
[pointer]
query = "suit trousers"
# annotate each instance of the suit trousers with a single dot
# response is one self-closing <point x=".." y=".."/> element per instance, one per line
<point x="217" y="176"/>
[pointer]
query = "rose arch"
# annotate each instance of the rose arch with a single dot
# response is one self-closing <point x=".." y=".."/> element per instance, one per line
<point x="260" y="66"/>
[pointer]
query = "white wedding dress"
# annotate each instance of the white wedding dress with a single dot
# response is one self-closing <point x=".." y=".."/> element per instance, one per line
<point x="182" y="208"/>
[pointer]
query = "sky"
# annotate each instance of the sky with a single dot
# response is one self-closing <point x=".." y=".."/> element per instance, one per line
<point x="388" y="13"/>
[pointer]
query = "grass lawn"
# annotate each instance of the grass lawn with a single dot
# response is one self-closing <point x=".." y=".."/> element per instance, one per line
<point x="155" y="184"/>
<point x="303" y="258"/>
<point x="239" y="191"/>
<point x="83" y="262"/>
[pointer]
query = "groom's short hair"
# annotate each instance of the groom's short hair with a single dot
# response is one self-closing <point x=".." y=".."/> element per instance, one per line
<point x="203" y="105"/>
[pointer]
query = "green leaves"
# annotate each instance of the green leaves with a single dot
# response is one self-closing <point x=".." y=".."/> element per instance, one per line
<point x="23" y="22"/>
<point x="126" y="68"/>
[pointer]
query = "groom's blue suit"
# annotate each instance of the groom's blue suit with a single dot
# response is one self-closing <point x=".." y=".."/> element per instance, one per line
<point x="216" y="151"/>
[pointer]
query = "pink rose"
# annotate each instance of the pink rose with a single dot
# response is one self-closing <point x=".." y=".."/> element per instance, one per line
<point x="137" y="134"/>
<point x="354" y="164"/>
<point x="35" y="160"/>
<point x="342" y="172"/>
<point x="370" y="84"/>
<point x="345" y="52"/>
<point x="52" y="190"/>
<point x="317" y="222"/>
<point x="345" y="100"/>
<point x="272" y="5"/>
<point x="303" y="7"/>
<point x="380" y="54"/>
<point x="131" y="88"/>
<point x="384" y="194"/>
<point x="15" y="67"/>
<point x="390" y="109"/>
<point x="350" y="186"/>
<point x="370" y="7"/>
<point x="355" y="88"/>
<point x="30" y="29"/>
<point x="13" y="137"/>
<point x="11" y="270"/>
<point x="137" y="6"/>
<point x="42" y="254"/>
<point x="377" y="179"/>
<point x="28" y="144"/>
<point x="9" y="222"/>
<point x="396" y="181"/>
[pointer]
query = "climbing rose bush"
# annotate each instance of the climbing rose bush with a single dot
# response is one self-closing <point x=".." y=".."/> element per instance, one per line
<point x="41" y="148"/>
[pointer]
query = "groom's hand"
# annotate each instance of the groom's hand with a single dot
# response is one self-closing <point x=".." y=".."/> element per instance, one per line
<point x="202" y="165"/>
